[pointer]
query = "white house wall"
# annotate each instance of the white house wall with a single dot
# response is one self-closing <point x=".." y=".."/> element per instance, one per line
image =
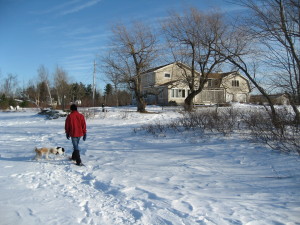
<point x="161" y="85"/>
<point x="238" y="93"/>
<point x="173" y="70"/>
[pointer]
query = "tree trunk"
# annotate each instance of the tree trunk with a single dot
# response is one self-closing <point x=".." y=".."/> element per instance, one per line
<point x="188" y="103"/>
<point x="141" y="104"/>
<point x="49" y="93"/>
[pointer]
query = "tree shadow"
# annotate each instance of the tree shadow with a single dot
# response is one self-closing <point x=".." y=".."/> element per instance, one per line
<point x="18" y="159"/>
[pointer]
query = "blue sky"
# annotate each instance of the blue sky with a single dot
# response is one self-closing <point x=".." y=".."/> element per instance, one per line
<point x="72" y="33"/>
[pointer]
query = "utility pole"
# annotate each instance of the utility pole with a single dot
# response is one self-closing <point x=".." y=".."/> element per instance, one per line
<point x="94" y="83"/>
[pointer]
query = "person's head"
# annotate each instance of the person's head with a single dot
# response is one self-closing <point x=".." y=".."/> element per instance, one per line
<point x="73" y="107"/>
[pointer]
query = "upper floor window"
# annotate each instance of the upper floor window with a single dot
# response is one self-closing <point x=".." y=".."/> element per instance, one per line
<point x="235" y="83"/>
<point x="168" y="75"/>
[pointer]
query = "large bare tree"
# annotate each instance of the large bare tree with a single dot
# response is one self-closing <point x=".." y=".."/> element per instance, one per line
<point x="270" y="33"/>
<point x="244" y="52"/>
<point x="277" y="25"/>
<point x="133" y="50"/>
<point x="192" y="38"/>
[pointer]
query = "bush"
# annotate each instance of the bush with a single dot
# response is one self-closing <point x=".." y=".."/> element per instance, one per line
<point x="6" y="102"/>
<point x="24" y="104"/>
<point x="207" y="120"/>
<point x="284" y="135"/>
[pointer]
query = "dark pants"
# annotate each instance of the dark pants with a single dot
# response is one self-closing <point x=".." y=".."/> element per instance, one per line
<point x="76" y="154"/>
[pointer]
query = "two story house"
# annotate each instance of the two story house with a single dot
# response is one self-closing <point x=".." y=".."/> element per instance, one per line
<point x="165" y="84"/>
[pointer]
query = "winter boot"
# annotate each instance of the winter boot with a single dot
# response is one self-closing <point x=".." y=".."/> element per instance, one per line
<point x="73" y="156"/>
<point x="77" y="157"/>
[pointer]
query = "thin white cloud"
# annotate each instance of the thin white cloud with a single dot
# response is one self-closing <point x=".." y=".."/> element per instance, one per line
<point x="57" y="7"/>
<point x="80" y="7"/>
<point x="46" y="29"/>
<point x="77" y="57"/>
<point x="68" y="7"/>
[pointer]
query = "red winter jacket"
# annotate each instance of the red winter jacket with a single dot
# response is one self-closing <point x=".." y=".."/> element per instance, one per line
<point x="75" y="124"/>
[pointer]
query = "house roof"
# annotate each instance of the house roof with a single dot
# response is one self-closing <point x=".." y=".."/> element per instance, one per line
<point x="156" y="68"/>
<point x="159" y="67"/>
<point x="211" y="75"/>
<point x="218" y="75"/>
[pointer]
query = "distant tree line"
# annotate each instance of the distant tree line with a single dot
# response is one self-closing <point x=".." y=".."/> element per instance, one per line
<point x="57" y="93"/>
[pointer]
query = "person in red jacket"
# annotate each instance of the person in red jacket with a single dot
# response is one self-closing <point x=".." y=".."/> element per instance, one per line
<point x="75" y="128"/>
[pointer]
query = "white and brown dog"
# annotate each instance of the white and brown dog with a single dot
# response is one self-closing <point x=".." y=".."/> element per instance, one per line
<point x="46" y="151"/>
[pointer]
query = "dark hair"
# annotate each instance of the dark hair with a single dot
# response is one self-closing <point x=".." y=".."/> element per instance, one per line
<point x="73" y="107"/>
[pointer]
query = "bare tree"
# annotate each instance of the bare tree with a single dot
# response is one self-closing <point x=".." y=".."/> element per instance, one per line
<point x="243" y="51"/>
<point x="192" y="38"/>
<point x="32" y="93"/>
<point x="10" y="84"/>
<point x="276" y="23"/>
<point x="61" y="85"/>
<point x="44" y="79"/>
<point x="132" y="53"/>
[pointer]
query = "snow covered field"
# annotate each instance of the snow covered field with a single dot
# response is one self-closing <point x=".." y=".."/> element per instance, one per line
<point x="136" y="178"/>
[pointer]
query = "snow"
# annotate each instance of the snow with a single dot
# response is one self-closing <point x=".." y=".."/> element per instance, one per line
<point x="132" y="177"/>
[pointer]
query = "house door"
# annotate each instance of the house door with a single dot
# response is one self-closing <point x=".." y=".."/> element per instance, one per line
<point x="241" y="98"/>
<point x="229" y="97"/>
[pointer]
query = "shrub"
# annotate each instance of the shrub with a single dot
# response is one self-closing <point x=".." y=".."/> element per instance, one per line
<point x="24" y="104"/>
<point x="6" y="102"/>
<point x="284" y="135"/>
<point x="208" y="119"/>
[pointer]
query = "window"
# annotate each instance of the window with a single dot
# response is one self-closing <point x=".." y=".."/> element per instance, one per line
<point x="167" y="75"/>
<point x="174" y="93"/>
<point x="178" y="93"/>
<point x="183" y="93"/>
<point x="235" y="83"/>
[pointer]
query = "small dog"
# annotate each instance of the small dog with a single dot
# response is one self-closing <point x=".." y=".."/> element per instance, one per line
<point x="46" y="151"/>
